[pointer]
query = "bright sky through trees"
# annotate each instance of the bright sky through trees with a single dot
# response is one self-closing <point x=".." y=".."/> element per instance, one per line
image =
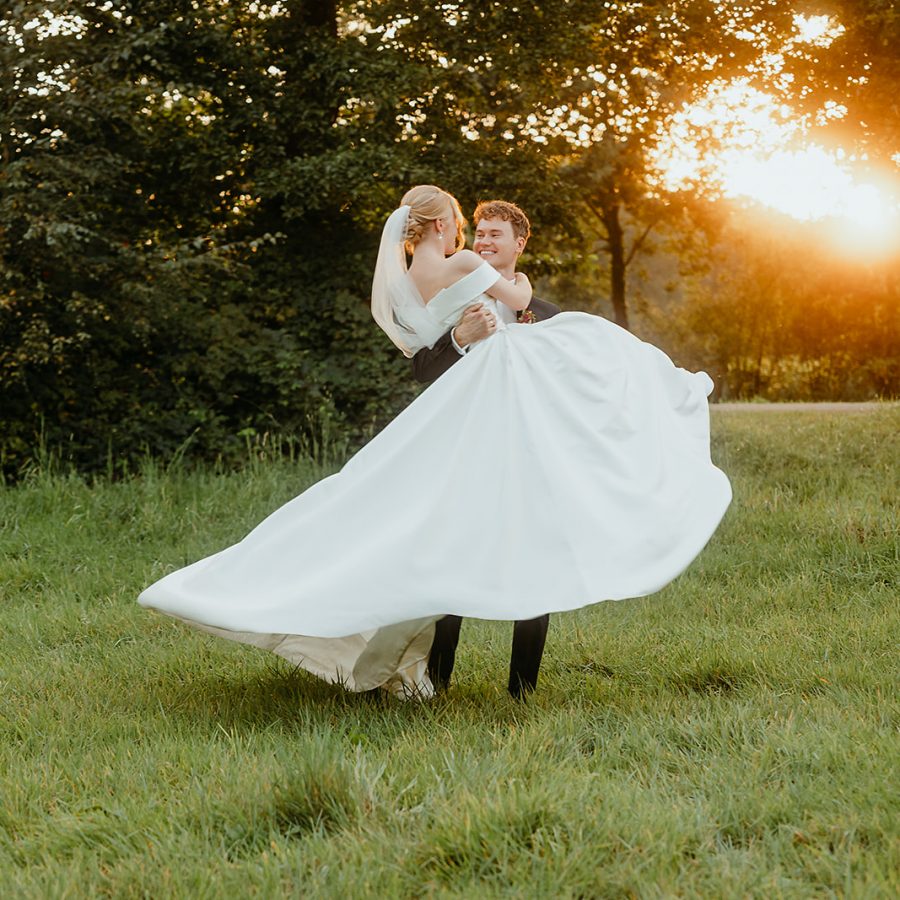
<point x="742" y="143"/>
<point x="759" y="154"/>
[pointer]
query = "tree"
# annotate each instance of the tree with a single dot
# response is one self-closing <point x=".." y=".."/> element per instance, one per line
<point x="179" y="255"/>
<point x="191" y="191"/>
<point x="777" y="313"/>
<point x="857" y="69"/>
<point x="579" y="93"/>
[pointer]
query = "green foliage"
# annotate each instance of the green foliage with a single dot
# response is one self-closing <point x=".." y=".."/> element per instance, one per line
<point x="191" y="193"/>
<point x="179" y="261"/>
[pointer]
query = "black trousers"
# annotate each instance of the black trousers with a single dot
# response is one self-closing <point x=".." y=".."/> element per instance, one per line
<point x="529" y="637"/>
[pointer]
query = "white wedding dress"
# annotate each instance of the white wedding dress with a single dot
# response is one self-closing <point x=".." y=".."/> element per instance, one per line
<point x="557" y="465"/>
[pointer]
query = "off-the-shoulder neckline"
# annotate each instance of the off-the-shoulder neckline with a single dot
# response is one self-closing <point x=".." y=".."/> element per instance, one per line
<point x="449" y="287"/>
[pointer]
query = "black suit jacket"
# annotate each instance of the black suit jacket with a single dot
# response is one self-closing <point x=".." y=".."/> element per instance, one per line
<point x="431" y="362"/>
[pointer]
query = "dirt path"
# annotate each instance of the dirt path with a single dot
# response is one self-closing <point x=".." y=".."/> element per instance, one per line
<point x="804" y="407"/>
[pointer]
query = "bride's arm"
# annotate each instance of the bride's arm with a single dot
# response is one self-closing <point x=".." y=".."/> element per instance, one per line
<point x="516" y="296"/>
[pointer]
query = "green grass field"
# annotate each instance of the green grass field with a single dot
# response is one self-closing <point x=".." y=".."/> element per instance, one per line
<point x="735" y="735"/>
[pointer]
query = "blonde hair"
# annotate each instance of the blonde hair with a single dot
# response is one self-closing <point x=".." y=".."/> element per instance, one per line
<point x="428" y="203"/>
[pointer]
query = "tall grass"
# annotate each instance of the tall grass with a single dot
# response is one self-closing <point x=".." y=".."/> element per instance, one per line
<point x="734" y="735"/>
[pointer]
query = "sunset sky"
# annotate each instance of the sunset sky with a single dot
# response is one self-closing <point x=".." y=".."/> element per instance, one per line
<point x="764" y="154"/>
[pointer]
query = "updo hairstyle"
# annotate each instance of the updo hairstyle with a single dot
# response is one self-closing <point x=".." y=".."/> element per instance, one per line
<point x="428" y="203"/>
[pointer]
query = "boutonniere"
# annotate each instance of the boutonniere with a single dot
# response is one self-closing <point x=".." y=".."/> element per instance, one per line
<point x="526" y="316"/>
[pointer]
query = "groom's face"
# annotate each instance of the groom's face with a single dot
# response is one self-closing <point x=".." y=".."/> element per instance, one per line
<point x="496" y="242"/>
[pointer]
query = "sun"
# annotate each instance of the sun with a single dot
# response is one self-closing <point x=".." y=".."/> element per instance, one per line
<point x="739" y="143"/>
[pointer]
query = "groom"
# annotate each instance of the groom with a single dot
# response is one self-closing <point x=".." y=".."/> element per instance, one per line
<point x="501" y="232"/>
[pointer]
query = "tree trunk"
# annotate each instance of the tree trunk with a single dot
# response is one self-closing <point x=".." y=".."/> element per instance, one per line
<point x="616" y="240"/>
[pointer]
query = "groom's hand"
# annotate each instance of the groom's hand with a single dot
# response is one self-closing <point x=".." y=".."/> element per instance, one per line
<point x="476" y="324"/>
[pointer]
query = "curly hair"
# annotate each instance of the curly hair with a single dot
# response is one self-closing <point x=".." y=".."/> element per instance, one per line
<point x="508" y="212"/>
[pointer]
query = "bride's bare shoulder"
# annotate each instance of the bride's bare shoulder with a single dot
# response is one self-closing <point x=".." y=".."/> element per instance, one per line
<point x="463" y="262"/>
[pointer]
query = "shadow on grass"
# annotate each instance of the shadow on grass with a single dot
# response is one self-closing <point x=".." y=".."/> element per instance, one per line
<point x="293" y="700"/>
<point x="737" y="677"/>
<point x="717" y="678"/>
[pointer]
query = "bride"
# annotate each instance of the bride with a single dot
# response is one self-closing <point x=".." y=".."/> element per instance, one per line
<point x="556" y="465"/>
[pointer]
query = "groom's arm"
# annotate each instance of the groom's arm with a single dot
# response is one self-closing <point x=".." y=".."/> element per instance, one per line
<point x="431" y="362"/>
<point x="543" y="309"/>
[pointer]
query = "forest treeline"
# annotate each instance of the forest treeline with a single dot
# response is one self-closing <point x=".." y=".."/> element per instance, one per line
<point x="191" y="195"/>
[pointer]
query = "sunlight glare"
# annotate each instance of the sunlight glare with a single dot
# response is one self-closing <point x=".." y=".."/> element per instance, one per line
<point x="807" y="184"/>
<point x="813" y="184"/>
<point x="870" y="207"/>
<point x="740" y="143"/>
<point x="819" y="31"/>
